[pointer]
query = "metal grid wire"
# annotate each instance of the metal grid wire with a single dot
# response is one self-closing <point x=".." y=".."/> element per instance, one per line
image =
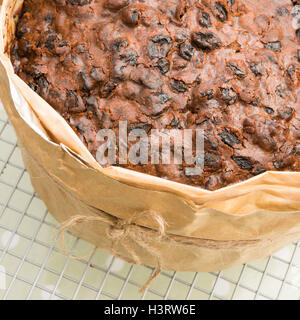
<point x="36" y="268"/>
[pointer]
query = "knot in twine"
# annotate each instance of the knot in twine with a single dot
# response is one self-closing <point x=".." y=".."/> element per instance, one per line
<point x="120" y="231"/>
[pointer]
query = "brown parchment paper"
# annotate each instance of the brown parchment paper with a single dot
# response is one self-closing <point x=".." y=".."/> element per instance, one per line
<point x="206" y="231"/>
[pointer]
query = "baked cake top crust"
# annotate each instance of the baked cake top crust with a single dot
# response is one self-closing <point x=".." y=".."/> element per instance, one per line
<point x="229" y="67"/>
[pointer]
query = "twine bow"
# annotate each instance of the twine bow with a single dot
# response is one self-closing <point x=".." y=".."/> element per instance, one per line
<point x="120" y="231"/>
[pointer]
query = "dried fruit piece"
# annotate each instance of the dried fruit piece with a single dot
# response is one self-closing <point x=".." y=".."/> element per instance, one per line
<point x="43" y="85"/>
<point x="222" y="13"/>
<point x="130" y="16"/>
<point x="275" y="46"/>
<point x="87" y="81"/>
<point x="159" y="47"/>
<point x="259" y="170"/>
<point x="60" y="2"/>
<point x="244" y="163"/>
<point x="119" y="44"/>
<point x="204" y="19"/>
<point x="212" y="160"/>
<point x="229" y="138"/>
<point x="163" y="65"/>
<point x="116" y="4"/>
<point x="264" y="141"/>
<point x="178" y="85"/>
<point x="80" y="48"/>
<point x="255" y="69"/>
<point x="269" y="110"/>
<point x="206" y="41"/>
<point x="92" y="101"/>
<point x="108" y="89"/>
<point x="286" y="113"/>
<point x="79" y="2"/>
<point x="228" y="95"/>
<point x="282" y="11"/>
<point x="208" y="94"/>
<point x="237" y="70"/>
<point x="298" y="34"/>
<point x="186" y="51"/>
<point x="74" y="102"/>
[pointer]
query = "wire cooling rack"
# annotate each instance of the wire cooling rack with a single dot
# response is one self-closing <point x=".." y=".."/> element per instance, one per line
<point x="33" y="266"/>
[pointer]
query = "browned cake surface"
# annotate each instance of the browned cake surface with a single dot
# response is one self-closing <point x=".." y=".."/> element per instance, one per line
<point x="229" y="67"/>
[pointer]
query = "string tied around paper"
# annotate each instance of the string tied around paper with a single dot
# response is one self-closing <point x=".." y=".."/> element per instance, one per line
<point x="121" y="231"/>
